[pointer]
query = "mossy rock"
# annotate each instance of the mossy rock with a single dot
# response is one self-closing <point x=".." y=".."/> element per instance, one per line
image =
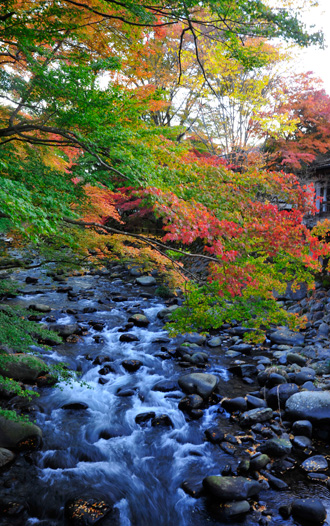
<point x="22" y="367"/>
<point x="15" y="434"/>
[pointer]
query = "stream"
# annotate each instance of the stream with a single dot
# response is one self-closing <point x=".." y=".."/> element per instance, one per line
<point x="97" y="449"/>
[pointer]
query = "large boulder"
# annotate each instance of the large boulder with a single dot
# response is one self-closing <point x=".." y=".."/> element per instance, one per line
<point x="286" y="337"/>
<point x="17" y="434"/>
<point x="309" y="405"/>
<point x="23" y="367"/>
<point x="202" y="384"/>
<point x="231" y="488"/>
<point x="146" y="281"/>
<point x="278" y="395"/>
<point x="309" y="511"/>
<point x="65" y="330"/>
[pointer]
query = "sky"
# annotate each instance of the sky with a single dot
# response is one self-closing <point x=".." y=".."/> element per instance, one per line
<point x="314" y="59"/>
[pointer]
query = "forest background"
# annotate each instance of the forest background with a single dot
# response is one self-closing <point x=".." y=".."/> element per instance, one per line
<point x="183" y="115"/>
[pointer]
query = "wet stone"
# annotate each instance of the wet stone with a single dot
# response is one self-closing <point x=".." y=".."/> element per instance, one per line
<point x="275" y="482"/>
<point x="40" y="307"/>
<point x="277" y="396"/>
<point x="243" y="348"/>
<point x="146" y="281"/>
<point x="162" y="421"/>
<point x="234" y="404"/>
<point x="302" y="442"/>
<point x="198" y="383"/>
<point x="296" y="358"/>
<point x="315" y="464"/>
<point x="287" y="337"/>
<point x="131" y="365"/>
<point x="259" y="462"/>
<point x="302" y="427"/>
<point x="253" y="402"/>
<point x="229" y="510"/>
<point x="228" y="448"/>
<point x="275" y="379"/>
<point x="309" y="405"/>
<point x="106" y="370"/>
<point x="125" y="392"/>
<point x="166" y="386"/>
<point x="193" y="487"/>
<point x="231" y="488"/>
<point x="214" y="434"/>
<point x="192" y="401"/>
<point x="128" y="337"/>
<point x="254" y="416"/>
<point x="309" y="511"/>
<point x="276" y="447"/>
<point x="140" y="320"/>
<point x="75" y="406"/>
<point x="215" y="342"/>
<point x="144" y="418"/>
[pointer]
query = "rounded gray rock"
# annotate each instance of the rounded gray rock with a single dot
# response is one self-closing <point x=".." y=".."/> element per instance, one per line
<point x="309" y="405"/>
<point x="231" y="488"/>
<point x="198" y="383"/>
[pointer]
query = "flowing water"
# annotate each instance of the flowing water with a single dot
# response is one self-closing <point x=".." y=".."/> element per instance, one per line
<point x="101" y="451"/>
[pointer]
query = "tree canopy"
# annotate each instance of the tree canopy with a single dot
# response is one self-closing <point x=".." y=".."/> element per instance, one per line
<point x="98" y="100"/>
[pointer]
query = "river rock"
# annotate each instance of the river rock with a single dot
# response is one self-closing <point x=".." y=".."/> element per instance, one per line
<point x="128" y="337"/>
<point x="146" y="281"/>
<point x="131" y="365"/>
<point x="234" y="404"/>
<point x="86" y="511"/>
<point x="315" y="464"/>
<point x="286" y="337"/>
<point x="18" y="434"/>
<point x="309" y="511"/>
<point x="214" y="434"/>
<point x="277" y="396"/>
<point x="254" y="416"/>
<point x="65" y="330"/>
<point x="302" y="427"/>
<point x="216" y="341"/>
<point x="143" y="418"/>
<point x="23" y="367"/>
<point x="165" y="313"/>
<point x="192" y="401"/>
<point x="243" y="370"/>
<point x="259" y="462"/>
<point x="229" y="510"/>
<point x="302" y="442"/>
<point x="40" y="307"/>
<point x="231" y="488"/>
<point x="140" y="320"/>
<point x="276" y="447"/>
<point x="293" y="357"/>
<point x="199" y="383"/>
<point x="309" y="405"/>
<point x="75" y="406"/>
<point x="274" y="482"/>
<point x="253" y="402"/>
<point x="244" y="348"/>
<point x="6" y="457"/>
<point x="162" y="421"/>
